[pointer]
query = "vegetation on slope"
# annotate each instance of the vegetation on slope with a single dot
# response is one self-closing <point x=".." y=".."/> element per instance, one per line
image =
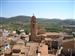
<point x="23" y="22"/>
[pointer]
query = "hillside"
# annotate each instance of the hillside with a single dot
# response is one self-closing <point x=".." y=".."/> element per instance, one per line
<point x="23" y="22"/>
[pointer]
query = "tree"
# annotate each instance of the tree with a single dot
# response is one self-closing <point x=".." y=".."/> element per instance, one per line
<point x="18" y="32"/>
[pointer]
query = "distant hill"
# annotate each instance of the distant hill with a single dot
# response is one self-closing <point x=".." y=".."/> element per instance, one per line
<point x="18" y="22"/>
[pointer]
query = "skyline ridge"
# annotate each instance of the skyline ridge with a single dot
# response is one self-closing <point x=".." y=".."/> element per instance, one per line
<point x="38" y="17"/>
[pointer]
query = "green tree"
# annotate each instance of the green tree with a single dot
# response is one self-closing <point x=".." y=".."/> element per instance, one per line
<point x="18" y="32"/>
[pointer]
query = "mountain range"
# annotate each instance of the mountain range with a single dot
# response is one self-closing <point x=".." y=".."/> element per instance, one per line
<point x="23" y="22"/>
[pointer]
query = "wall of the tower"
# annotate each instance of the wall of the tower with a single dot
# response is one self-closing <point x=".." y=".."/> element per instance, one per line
<point x="33" y="28"/>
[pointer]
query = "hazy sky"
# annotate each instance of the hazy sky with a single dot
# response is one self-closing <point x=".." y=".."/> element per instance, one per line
<point x="63" y="9"/>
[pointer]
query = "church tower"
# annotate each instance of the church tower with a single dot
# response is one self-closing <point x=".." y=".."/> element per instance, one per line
<point x="33" y="28"/>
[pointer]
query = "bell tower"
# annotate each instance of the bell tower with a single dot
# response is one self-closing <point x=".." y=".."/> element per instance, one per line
<point x="33" y="28"/>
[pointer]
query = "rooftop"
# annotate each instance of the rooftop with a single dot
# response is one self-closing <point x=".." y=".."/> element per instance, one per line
<point x="43" y="49"/>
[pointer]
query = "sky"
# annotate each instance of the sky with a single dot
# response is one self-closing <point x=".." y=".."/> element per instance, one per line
<point x="61" y="9"/>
